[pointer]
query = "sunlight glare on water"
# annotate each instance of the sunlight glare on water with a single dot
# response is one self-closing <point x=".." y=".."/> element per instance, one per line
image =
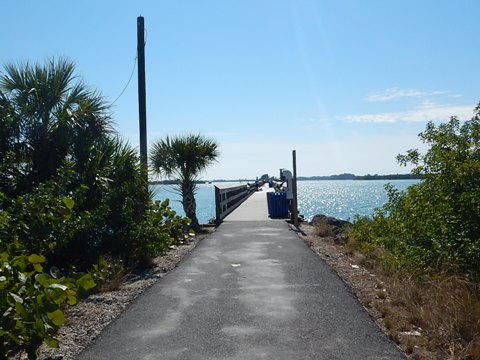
<point x="344" y="199"/>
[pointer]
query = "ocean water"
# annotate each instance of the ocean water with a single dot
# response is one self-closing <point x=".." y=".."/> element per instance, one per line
<point x="343" y="199"/>
<point x="205" y="198"/>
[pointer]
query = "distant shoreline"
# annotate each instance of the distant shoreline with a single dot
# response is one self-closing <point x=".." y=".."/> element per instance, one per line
<point x="308" y="178"/>
<point x="363" y="177"/>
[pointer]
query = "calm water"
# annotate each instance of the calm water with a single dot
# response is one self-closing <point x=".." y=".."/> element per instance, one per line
<point x="205" y="199"/>
<point x="342" y="199"/>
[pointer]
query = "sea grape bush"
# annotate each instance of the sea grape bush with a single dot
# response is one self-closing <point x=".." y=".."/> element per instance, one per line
<point x="38" y="221"/>
<point x="59" y="220"/>
<point x="32" y="301"/>
<point x="434" y="225"/>
<point x="160" y="228"/>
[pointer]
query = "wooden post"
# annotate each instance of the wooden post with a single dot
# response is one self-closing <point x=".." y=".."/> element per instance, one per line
<point x="294" y="189"/>
<point x="142" y="102"/>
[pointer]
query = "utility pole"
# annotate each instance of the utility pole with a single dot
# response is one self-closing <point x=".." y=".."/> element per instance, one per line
<point x="142" y="202"/>
<point x="142" y="102"/>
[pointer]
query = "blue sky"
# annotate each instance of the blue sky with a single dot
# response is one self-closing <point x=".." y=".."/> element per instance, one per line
<point x="348" y="84"/>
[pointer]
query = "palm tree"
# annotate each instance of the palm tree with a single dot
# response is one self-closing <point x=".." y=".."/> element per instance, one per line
<point x="184" y="158"/>
<point x="52" y="115"/>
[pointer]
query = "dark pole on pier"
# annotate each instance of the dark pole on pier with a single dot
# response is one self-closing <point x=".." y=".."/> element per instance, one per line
<point x="142" y="101"/>
<point x="294" y="188"/>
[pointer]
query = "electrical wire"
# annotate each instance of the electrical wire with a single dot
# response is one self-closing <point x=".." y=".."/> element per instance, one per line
<point x="129" y="80"/>
<point x="133" y="70"/>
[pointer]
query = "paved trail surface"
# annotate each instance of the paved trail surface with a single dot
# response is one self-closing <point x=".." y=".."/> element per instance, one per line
<point x="251" y="290"/>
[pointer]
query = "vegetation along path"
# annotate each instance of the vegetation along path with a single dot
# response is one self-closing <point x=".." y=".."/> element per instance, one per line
<point x="251" y="290"/>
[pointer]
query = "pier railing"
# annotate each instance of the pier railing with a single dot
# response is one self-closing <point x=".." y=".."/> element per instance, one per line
<point x="229" y="198"/>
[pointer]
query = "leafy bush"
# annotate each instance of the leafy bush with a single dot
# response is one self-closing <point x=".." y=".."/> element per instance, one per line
<point x="47" y="222"/>
<point x="434" y="225"/>
<point x="160" y="228"/>
<point x="31" y="302"/>
<point x="38" y="221"/>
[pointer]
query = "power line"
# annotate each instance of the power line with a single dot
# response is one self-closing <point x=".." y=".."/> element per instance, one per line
<point x="129" y="80"/>
<point x="133" y="70"/>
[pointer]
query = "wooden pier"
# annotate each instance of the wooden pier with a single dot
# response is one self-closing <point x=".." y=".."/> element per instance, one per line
<point x="254" y="208"/>
<point x="248" y="203"/>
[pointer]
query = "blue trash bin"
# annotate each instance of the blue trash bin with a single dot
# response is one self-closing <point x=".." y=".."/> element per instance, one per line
<point x="269" y="203"/>
<point x="277" y="205"/>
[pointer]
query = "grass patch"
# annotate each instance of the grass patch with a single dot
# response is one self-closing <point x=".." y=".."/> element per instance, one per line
<point x="431" y="316"/>
<point x="323" y="229"/>
<point x="442" y="313"/>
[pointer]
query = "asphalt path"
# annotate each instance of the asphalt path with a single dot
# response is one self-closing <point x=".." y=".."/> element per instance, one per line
<point x="251" y="290"/>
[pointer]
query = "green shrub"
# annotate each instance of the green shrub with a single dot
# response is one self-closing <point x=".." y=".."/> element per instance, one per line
<point x="47" y="222"/>
<point x="32" y="301"/>
<point x="434" y="225"/>
<point x="160" y="227"/>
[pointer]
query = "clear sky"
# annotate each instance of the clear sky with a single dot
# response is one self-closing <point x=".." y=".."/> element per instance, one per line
<point x="348" y="84"/>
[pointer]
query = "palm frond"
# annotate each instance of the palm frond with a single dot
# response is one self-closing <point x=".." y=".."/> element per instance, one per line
<point x="57" y="115"/>
<point x="183" y="157"/>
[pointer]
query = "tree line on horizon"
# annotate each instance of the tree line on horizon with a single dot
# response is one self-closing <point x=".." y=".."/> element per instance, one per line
<point x="348" y="176"/>
<point x="345" y="176"/>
